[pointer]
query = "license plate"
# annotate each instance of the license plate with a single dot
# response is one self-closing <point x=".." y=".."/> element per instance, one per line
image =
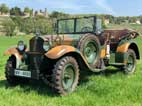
<point x="21" y="73"/>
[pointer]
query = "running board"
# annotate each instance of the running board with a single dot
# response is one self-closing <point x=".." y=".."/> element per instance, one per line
<point x="117" y="64"/>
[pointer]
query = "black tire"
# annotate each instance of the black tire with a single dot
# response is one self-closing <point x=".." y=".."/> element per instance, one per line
<point x="10" y="66"/>
<point x="82" y="43"/>
<point x="130" y="67"/>
<point x="59" y="76"/>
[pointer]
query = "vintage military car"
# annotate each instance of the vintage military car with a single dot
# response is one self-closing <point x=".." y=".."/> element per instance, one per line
<point x="80" y="44"/>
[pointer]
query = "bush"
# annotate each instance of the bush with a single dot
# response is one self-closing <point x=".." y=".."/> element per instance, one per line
<point x="44" y="25"/>
<point x="30" y="24"/>
<point x="9" y="27"/>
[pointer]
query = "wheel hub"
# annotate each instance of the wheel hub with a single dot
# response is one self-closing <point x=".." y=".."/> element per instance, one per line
<point x="90" y="52"/>
<point x="130" y="63"/>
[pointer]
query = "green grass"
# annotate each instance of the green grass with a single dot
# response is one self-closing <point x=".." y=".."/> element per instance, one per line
<point x="111" y="88"/>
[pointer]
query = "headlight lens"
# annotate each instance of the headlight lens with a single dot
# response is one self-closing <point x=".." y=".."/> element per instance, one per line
<point x="46" y="46"/>
<point x="21" y="45"/>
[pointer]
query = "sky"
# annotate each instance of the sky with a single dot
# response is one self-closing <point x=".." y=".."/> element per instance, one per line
<point x="113" y="7"/>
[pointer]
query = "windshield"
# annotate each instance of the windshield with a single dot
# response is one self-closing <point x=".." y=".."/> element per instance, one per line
<point x="76" y="25"/>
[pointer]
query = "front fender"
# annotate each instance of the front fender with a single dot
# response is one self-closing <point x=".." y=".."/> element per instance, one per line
<point x="59" y="51"/>
<point x="13" y="51"/>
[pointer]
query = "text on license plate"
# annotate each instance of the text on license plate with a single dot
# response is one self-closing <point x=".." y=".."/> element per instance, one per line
<point x="21" y="73"/>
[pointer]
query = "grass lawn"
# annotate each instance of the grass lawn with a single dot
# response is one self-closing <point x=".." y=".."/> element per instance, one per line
<point x="111" y="88"/>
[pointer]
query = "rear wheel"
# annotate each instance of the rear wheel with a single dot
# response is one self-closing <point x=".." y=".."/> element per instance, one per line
<point x="130" y="66"/>
<point x="65" y="75"/>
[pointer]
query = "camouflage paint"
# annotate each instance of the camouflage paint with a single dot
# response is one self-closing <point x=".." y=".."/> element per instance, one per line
<point x="121" y="53"/>
<point x="103" y="52"/>
<point x="70" y="39"/>
<point x="59" y="51"/>
<point x="123" y="48"/>
<point x="120" y="57"/>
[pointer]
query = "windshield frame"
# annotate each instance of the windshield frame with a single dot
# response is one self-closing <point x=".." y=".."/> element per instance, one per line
<point x="75" y="25"/>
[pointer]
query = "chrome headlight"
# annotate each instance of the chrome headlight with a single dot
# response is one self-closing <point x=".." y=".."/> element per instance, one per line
<point x="46" y="46"/>
<point x="21" y="46"/>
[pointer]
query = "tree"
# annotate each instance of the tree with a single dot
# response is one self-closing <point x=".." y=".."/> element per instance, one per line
<point x="19" y="22"/>
<point x="56" y="14"/>
<point x="27" y="10"/>
<point x="15" y="11"/>
<point x="4" y="8"/>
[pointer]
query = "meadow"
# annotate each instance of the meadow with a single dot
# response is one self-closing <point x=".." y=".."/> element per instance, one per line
<point x="109" y="88"/>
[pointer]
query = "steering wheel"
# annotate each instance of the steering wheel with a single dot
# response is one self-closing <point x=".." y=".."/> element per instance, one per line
<point x="86" y="29"/>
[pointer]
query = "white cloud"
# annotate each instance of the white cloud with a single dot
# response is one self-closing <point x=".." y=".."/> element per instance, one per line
<point x="104" y="5"/>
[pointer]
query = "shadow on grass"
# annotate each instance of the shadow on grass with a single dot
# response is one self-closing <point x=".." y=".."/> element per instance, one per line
<point x="40" y="87"/>
<point x="44" y="90"/>
<point x="34" y="85"/>
<point x="84" y="76"/>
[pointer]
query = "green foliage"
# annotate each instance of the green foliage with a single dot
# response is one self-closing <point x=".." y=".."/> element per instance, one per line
<point x="18" y="22"/>
<point x="31" y="24"/>
<point x="16" y="11"/>
<point x="4" y="8"/>
<point x="28" y="25"/>
<point x="9" y="27"/>
<point x="27" y="10"/>
<point x="44" y="25"/>
<point x="56" y="14"/>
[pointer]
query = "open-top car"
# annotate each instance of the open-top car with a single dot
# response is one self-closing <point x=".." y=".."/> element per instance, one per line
<point x="80" y="44"/>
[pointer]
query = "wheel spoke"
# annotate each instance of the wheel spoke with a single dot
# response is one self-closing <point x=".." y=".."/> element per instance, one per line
<point x="68" y="77"/>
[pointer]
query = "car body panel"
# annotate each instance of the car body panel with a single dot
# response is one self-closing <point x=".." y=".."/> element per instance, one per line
<point x="13" y="51"/>
<point x="59" y="51"/>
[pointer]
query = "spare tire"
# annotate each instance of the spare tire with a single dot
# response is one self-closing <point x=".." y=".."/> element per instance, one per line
<point x="89" y="46"/>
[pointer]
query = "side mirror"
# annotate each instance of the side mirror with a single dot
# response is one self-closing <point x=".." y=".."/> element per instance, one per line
<point x="99" y="28"/>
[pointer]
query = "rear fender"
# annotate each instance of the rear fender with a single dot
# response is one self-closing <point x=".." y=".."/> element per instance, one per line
<point x="121" y="53"/>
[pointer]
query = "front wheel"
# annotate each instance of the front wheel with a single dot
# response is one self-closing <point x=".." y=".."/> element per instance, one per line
<point x="10" y="66"/>
<point x="130" y="66"/>
<point x="65" y="75"/>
